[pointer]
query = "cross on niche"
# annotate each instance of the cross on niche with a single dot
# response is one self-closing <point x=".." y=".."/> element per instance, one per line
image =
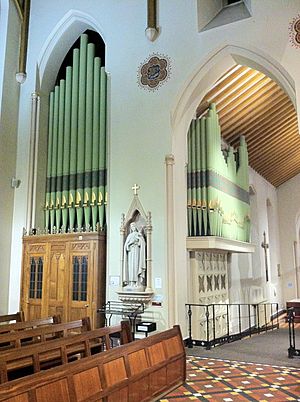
<point x="265" y="246"/>
<point x="135" y="189"/>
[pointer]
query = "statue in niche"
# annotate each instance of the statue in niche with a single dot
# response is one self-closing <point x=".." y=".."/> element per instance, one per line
<point x="134" y="261"/>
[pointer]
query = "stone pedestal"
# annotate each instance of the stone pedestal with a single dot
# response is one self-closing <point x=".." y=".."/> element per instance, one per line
<point x="135" y="297"/>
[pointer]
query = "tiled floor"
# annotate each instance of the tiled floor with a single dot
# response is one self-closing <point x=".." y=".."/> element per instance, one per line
<point x="217" y="380"/>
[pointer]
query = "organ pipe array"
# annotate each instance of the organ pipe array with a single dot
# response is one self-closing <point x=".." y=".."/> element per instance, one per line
<point x="217" y="182"/>
<point x="76" y="164"/>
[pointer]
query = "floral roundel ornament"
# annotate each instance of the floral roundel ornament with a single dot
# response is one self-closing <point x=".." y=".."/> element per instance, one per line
<point x="294" y="30"/>
<point x="154" y="72"/>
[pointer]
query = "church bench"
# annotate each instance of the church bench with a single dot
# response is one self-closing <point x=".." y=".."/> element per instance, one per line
<point x="25" y="325"/>
<point x="41" y="334"/>
<point x="17" y="317"/>
<point x="140" y="371"/>
<point x="16" y="363"/>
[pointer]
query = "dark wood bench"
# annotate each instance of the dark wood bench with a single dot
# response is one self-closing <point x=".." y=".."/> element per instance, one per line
<point x="140" y="371"/>
<point x="42" y="334"/>
<point x="24" y="325"/>
<point x="34" y="358"/>
<point x="7" y="318"/>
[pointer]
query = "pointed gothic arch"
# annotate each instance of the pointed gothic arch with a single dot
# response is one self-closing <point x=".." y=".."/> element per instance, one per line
<point x="62" y="37"/>
<point x="198" y="84"/>
<point x="52" y="54"/>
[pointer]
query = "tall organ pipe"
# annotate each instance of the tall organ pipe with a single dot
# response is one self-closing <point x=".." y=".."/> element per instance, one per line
<point x="217" y="183"/>
<point x="88" y="134"/>
<point x="198" y="176"/>
<point x="73" y="144"/>
<point x="102" y="151"/>
<point x="95" y="147"/>
<point x="81" y="129"/>
<point x="194" y="211"/>
<point x="54" y="159"/>
<point x="204" y="174"/>
<point x="66" y="156"/>
<point x="189" y="180"/>
<point x="60" y="144"/>
<point x="49" y="160"/>
<point x="76" y="166"/>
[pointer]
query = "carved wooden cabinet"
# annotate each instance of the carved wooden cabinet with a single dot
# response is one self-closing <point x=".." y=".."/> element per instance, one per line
<point x="63" y="274"/>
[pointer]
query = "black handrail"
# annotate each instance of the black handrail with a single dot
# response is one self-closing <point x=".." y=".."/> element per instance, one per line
<point x="292" y="351"/>
<point x="251" y="318"/>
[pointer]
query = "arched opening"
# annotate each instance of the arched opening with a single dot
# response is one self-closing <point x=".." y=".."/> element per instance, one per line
<point x="56" y="55"/>
<point x="216" y="66"/>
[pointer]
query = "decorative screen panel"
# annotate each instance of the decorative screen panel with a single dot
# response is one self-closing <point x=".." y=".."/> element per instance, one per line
<point x="36" y="277"/>
<point x="80" y="277"/>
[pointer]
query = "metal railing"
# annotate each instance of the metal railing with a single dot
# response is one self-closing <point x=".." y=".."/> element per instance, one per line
<point x="292" y="351"/>
<point x="213" y="324"/>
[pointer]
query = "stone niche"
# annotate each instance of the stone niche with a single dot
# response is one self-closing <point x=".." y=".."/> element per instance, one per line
<point x="136" y="255"/>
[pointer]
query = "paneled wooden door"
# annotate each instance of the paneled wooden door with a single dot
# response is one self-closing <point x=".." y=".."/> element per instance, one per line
<point x="81" y="278"/>
<point x="57" y="289"/>
<point x="33" y="282"/>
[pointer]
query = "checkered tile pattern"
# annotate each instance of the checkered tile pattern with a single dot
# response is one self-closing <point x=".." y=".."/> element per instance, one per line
<point x="218" y="380"/>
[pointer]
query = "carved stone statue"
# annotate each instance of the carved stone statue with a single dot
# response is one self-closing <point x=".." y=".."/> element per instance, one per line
<point x="134" y="261"/>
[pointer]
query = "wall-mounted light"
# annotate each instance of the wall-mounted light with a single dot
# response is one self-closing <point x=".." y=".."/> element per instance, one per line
<point x="15" y="183"/>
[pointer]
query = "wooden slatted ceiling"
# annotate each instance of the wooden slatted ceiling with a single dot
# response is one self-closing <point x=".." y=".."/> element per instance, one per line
<point x="251" y="104"/>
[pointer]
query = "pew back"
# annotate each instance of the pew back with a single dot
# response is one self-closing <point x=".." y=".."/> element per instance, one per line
<point x="42" y="334"/>
<point x="140" y="371"/>
<point x="15" y="363"/>
<point x="19" y="326"/>
<point x="17" y="317"/>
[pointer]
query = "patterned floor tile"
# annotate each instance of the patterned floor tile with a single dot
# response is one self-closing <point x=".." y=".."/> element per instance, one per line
<point x="219" y="380"/>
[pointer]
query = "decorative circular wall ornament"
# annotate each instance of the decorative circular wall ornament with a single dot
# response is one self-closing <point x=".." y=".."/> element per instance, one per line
<point x="154" y="72"/>
<point x="294" y="31"/>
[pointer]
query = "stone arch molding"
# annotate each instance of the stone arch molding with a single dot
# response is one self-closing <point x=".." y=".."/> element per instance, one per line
<point x="194" y="88"/>
<point x="211" y="69"/>
<point x="62" y="37"/>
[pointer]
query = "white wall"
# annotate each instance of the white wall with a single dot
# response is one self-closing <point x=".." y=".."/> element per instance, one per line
<point x="248" y="277"/>
<point x="146" y="126"/>
<point x="9" y="95"/>
<point x="289" y="210"/>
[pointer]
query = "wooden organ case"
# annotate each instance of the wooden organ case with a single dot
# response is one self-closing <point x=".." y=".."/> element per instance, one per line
<point x="64" y="274"/>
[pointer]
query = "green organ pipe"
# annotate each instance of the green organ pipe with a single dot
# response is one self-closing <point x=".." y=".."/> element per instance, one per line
<point x="95" y="139"/>
<point x="76" y="162"/>
<point x="73" y="144"/>
<point x="60" y="144"/>
<point x="102" y="194"/>
<point x="49" y="160"/>
<point x="81" y="129"/>
<point x="217" y="183"/>
<point x="66" y="149"/>
<point x="88" y="134"/>
<point x="54" y="159"/>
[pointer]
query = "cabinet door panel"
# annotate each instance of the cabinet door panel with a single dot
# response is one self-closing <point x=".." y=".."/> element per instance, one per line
<point x="58" y="281"/>
<point x="34" y="281"/>
<point x="72" y="279"/>
<point x="81" y="281"/>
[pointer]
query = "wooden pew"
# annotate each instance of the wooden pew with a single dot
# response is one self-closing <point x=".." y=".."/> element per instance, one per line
<point x="24" y="325"/>
<point x="17" y="317"/>
<point x="143" y="370"/>
<point x="15" y="363"/>
<point x="42" y="334"/>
